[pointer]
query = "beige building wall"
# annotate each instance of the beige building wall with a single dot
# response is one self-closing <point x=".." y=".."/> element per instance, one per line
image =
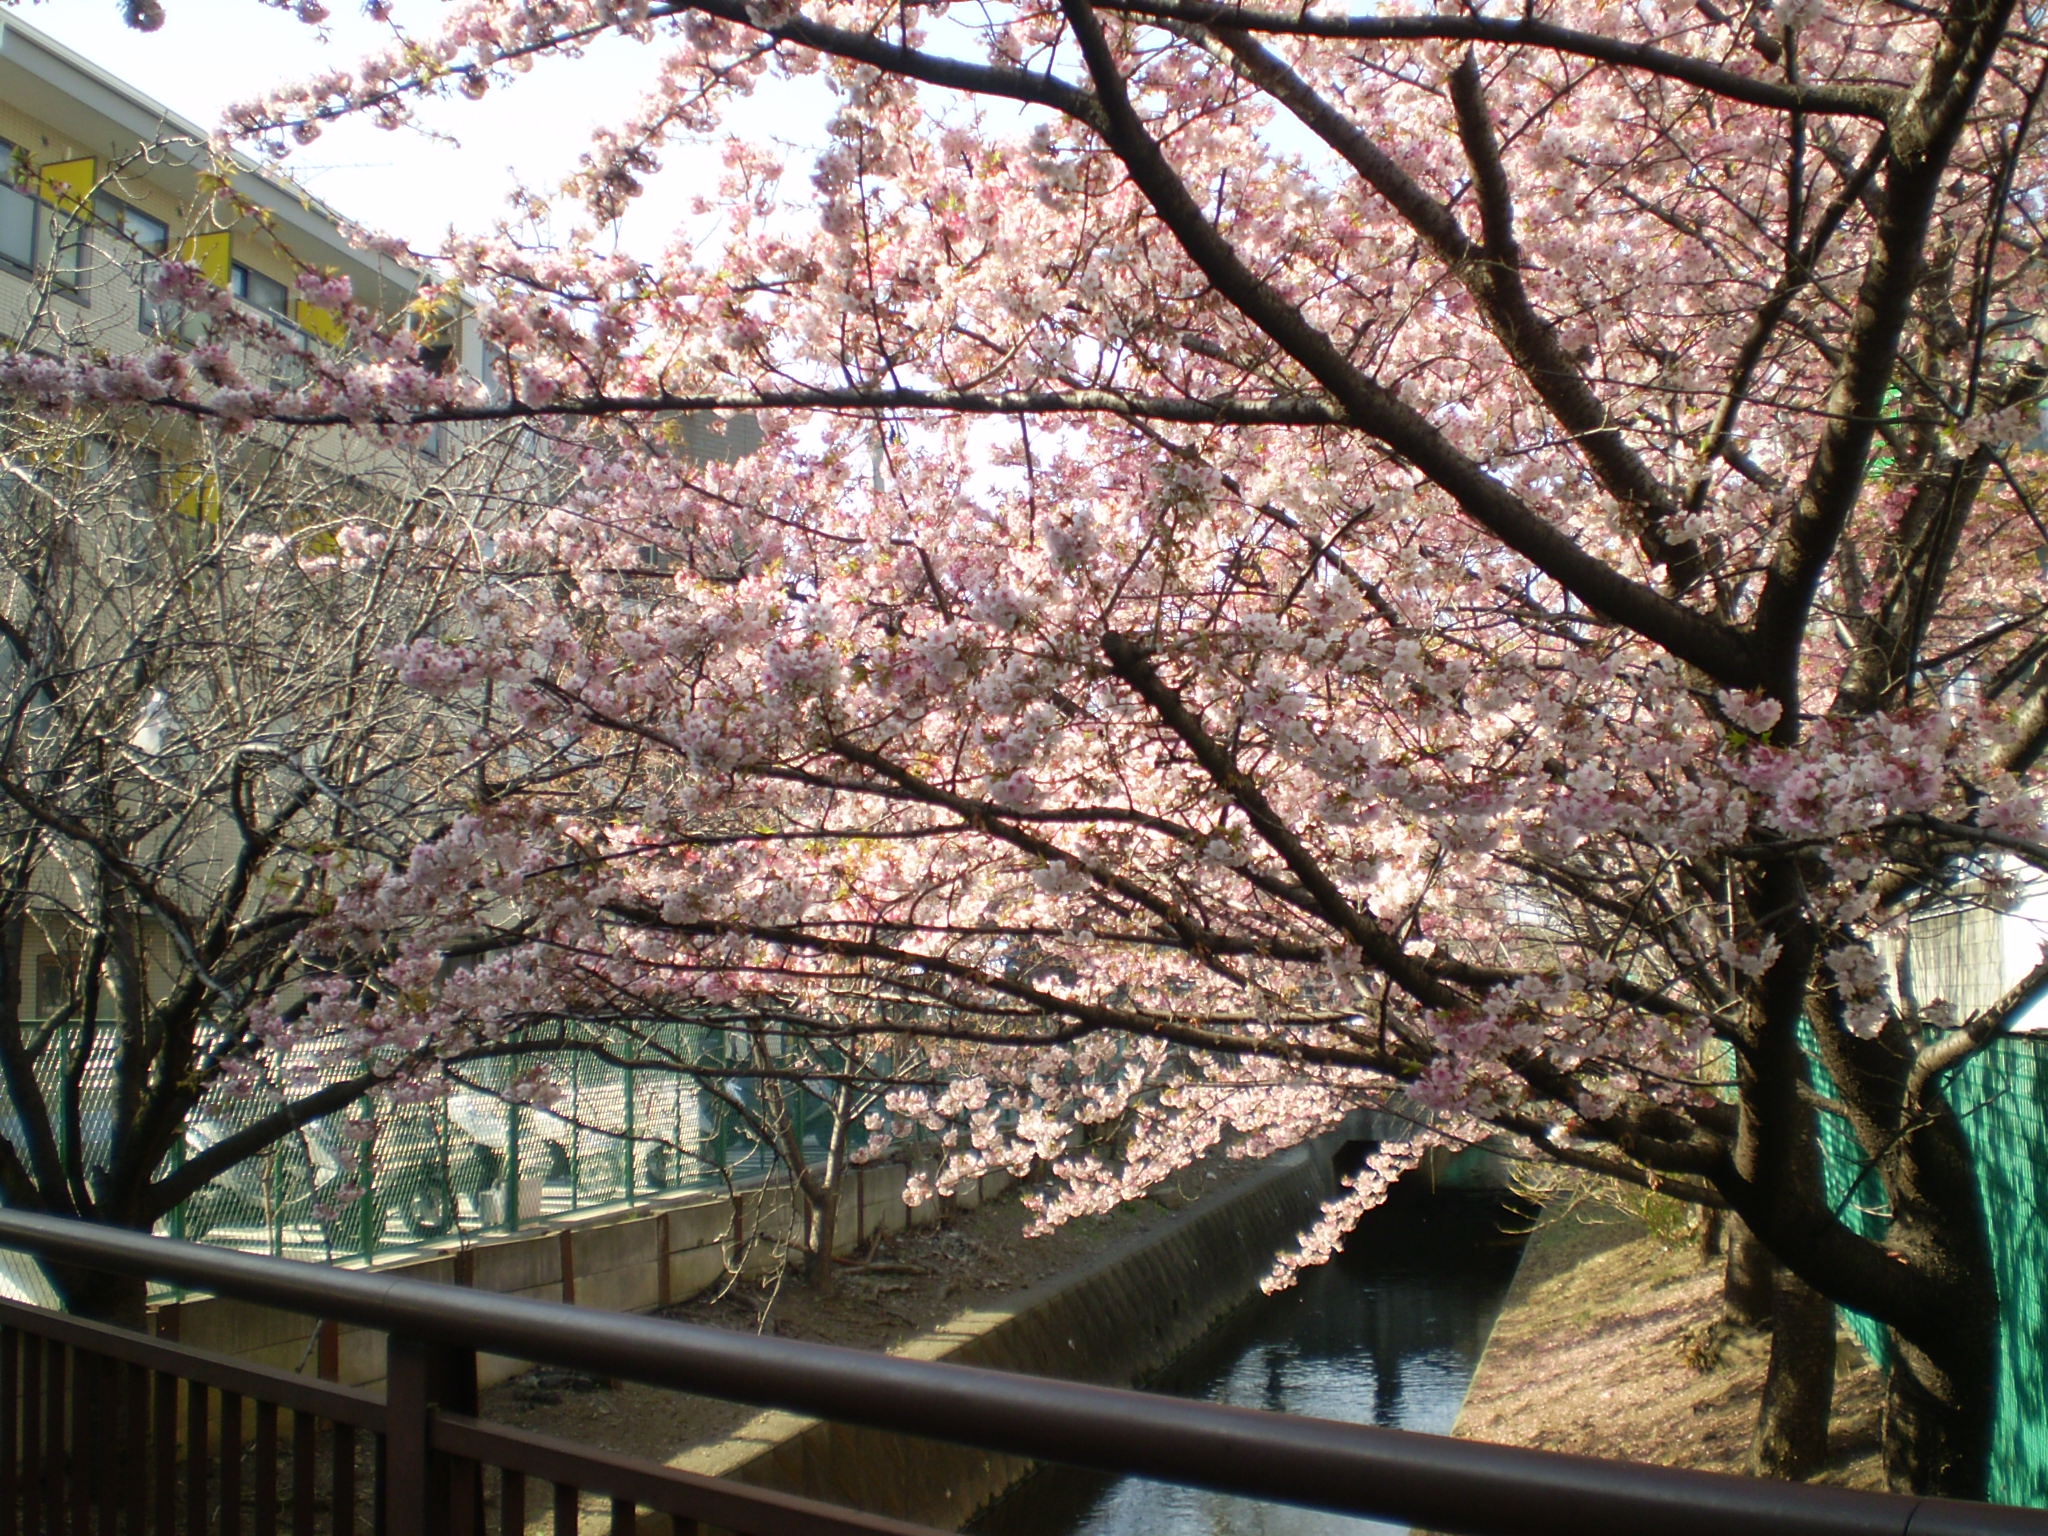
<point x="85" y="147"/>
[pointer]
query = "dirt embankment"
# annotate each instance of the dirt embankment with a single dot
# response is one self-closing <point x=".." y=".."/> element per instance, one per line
<point x="1607" y="1347"/>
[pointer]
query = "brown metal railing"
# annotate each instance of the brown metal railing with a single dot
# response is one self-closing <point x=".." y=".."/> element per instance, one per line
<point x="85" y="1411"/>
<point x="105" y="1432"/>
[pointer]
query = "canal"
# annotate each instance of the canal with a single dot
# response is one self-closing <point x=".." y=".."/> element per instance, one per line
<point x="1388" y="1333"/>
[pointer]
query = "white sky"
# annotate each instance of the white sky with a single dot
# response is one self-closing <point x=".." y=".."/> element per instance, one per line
<point x="212" y="53"/>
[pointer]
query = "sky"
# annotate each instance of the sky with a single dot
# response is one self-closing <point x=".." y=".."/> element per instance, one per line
<point x="212" y="53"/>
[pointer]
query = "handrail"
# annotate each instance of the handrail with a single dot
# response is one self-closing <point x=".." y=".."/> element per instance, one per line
<point x="267" y="1383"/>
<point x="1427" y="1480"/>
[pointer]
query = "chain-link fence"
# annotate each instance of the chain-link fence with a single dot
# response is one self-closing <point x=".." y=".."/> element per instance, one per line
<point x="488" y="1154"/>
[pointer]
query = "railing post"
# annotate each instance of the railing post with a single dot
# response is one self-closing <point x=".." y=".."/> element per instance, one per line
<point x="425" y="1492"/>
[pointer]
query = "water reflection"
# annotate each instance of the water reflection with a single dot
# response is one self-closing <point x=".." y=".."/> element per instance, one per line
<point x="1386" y="1334"/>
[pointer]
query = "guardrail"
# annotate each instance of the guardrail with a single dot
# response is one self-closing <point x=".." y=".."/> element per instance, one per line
<point x="431" y="1452"/>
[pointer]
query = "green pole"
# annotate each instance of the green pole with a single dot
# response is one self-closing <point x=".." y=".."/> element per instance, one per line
<point x="272" y="1178"/>
<point x="719" y="1120"/>
<point x="576" y="1132"/>
<point x="178" y="1210"/>
<point x="511" y="1167"/>
<point x="680" y="1150"/>
<point x="632" y="1127"/>
<point x="367" y="1220"/>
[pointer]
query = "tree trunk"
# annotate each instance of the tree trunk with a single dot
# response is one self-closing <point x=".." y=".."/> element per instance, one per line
<point x="1712" y="1223"/>
<point x="1746" y="1283"/>
<point x="116" y="1299"/>
<point x="822" y="1224"/>
<point x="821" y="1189"/>
<point x="1939" y="1407"/>
<point x="1777" y="1146"/>
<point x="1746" y="1288"/>
<point x="1799" y="1386"/>
<point x="1941" y="1393"/>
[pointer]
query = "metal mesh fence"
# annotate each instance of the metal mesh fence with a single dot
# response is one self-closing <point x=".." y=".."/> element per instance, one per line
<point x="2001" y="1097"/>
<point x="397" y="1172"/>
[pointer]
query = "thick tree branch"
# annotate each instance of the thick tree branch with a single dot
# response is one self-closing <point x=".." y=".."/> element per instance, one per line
<point x="1720" y="652"/>
<point x="1923" y="133"/>
<point x="1873" y="102"/>
<point x="1380" y="948"/>
<point x="1224" y="410"/>
<point x="209" y="1163"/>
<point x="1496" y="277"/>
<point x="1979" y="1030"/>
<point x="1770" y="314"/>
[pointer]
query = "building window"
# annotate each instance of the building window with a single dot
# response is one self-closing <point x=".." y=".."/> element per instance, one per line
<point x="139" y="232"/>
<point x="260" y="292"/>
<point x="70" y="253"/>
<point x="20" y="213"/>
<point x="121" y="483"/>
<point x="53" y="983"/>
<point x="18" y="218"/>
<point x="145" y="481"/>
<point x="439" y="328"/>
<point x="141" y="492"/>
<point x="139" y="241"/>
<point x="33" y="235"/>
<point x="497" y="374"/>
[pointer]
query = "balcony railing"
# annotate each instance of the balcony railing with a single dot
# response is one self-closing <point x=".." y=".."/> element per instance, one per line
<point x="107" y="1431"/>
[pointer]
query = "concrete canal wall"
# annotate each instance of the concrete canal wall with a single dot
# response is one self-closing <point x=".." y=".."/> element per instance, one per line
<point x="1118" y="1321"/>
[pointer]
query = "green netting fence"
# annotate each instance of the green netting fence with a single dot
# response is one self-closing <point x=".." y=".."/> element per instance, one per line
<point x="2001" y="1096"/>
<point x="395" y="1173"/>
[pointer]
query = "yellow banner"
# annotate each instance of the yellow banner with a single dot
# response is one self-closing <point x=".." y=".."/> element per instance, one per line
<point x="212" y="255"/>
<point x="67" y="185"/>
<point x="322" y="324"/>
<point x="195" y="493"/>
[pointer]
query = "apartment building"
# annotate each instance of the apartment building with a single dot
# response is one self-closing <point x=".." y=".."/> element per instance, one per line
<point x="190" y="726"/>
<point x="98" y="184"/>
<point x="101" y="182"/>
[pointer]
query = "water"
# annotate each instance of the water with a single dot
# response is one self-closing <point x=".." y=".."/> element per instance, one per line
<point x="1388" y="1333"/>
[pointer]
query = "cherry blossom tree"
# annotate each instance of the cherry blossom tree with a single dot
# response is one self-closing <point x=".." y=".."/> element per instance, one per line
<point x="195" y="739"/>
<point x="1477" y="559"/>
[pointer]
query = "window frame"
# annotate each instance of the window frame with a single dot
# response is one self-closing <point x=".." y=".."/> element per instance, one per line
<point x="10" y="163"/>
<point x="116" y="212"/>
<point x="242" y="279"/>
<point x="60" y="240"/>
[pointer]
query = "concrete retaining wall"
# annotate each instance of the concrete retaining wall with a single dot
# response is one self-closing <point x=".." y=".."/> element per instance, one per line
<point x="1119" y="1321"/>
<point x="623" y="1261"/>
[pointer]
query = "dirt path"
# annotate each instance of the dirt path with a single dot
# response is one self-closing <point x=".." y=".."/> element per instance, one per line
<point x="1604" y="1348"/>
